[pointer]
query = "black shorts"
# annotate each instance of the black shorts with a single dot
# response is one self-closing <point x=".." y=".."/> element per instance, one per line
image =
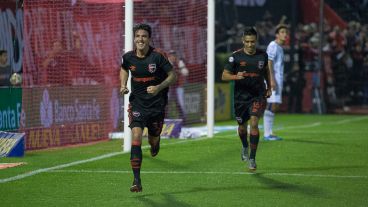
<point x="253" y="107"/>
<point x="152" y="119"/>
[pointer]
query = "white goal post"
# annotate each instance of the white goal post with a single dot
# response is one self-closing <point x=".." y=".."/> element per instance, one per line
<point x="129" y="8"/>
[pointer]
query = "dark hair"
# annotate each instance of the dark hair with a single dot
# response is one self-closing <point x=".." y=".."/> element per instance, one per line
<point x="142" y="26"/>
<point x="2" y="52"/>
<point x="249" y="31"/>
<point x="279" y="27"/>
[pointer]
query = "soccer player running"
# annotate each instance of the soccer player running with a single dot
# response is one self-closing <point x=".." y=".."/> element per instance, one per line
<point x="152" y="74"/>
<point x="248" y="68"/>
<point x="276" y="64"/>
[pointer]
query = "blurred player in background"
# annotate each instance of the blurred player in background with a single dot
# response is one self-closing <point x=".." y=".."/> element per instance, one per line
<point x="248" y="68"/>
<point x="152" y="74"/>
<point x="275" y="54"/>
<point x="5" y="69"/>
<point x="182" y="72"/>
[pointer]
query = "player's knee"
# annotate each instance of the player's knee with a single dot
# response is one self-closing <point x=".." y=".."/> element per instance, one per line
<point x="156" y="132"/>
<point x="242" y="130"/>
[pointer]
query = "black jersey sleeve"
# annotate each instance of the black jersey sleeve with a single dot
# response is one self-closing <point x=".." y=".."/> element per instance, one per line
<point x="230" y="64"/>
<point x="124" y="62"/>
<point x="164" y="63"/>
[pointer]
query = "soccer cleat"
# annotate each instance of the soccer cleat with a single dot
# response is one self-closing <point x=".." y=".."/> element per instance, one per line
<point x="252" y="165"/>
<point x="272" y="138"/>
<point x="136" y="186"/>
<point x="155" y="149"/>
<point x="244" y="154"/>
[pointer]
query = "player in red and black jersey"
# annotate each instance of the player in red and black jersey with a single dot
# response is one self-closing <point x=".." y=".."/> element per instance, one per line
<point x="152" y="74"/>
<point x="248" y="68"/>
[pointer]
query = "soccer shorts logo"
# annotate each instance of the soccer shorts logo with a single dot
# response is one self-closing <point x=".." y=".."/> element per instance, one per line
<point x="239" y="119"/>
<point x="260" y="64"/>
<point x="136" y="113"/>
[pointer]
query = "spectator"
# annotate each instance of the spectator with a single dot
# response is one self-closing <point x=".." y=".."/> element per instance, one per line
<point x="5" y="69"/>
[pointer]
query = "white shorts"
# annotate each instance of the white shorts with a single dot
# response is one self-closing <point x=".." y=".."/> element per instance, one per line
<point x="276" y="96"/>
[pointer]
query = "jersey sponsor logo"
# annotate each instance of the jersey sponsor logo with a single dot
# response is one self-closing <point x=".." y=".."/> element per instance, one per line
<point x="231" y="59"/>
<point x="132" y="67"/>
<point x="243" y="63"/>
<point x="136" y="113"/>
<point x="152" y="68"/>
<point x="260" y="64"/>
<point x="146" y="79"/>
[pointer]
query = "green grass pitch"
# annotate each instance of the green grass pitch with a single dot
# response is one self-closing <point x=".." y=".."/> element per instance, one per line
<point x="322" y="161"/>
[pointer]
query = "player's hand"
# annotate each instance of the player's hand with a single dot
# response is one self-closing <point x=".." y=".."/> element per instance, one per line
<point x="268" y="92"/>
<point x="124" y="90"/>
<point x="153" y="90"/>
<point x="239" y="75"/>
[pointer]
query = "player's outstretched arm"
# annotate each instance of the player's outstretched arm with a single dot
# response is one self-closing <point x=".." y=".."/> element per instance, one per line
<point x="171" y="78"/>
<point x="123" y="81"/>
<point x="228" y="76"/>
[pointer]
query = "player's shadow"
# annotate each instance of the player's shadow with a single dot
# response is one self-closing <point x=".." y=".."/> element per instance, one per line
<point x="312" y="142"/>
<point x="163" y="162"/>
<point x="270" y="183"/>
<point x="317" y="168"/>
<point x="169" y="201"/>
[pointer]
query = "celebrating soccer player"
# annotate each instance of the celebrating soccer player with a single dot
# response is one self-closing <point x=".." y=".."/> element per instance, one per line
<point x="248" y="68"/>
<point x="152" y="74"/>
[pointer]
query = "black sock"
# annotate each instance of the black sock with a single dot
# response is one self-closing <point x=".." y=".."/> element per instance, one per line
<point x="243" y="137"/>
<point x="254" y="139"/>
<point x="136" y="160"/>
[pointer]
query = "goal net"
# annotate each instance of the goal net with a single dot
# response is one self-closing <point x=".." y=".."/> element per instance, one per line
<point x="70" y="71"/>
<point x="72" y="55"/>
<point x="180" y="29"/>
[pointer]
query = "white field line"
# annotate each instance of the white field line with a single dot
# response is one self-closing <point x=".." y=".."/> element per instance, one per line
<point x="344" y="121"/>
<point x="57" y="167"/>
<point x="210" y="172"/>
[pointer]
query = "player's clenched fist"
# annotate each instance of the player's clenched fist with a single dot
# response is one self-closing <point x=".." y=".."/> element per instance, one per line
<point x="124" y="90"/>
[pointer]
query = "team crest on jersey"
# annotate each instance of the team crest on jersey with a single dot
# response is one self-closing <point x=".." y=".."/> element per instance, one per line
<point x="231" y="59"/>
<point x="136" y="113"/>
<point x="260" y="64"/>
<point x="152" y="68"/>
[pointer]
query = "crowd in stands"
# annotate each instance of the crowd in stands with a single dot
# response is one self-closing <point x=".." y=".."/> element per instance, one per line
<point x="344" y="58"/>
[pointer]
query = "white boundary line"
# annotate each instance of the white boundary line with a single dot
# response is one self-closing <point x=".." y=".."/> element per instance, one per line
<point x="57" y="167"/>
<point x="210" y="172"/>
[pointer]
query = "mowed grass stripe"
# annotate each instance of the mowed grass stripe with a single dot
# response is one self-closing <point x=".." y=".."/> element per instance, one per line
<point x="209" y="173"/>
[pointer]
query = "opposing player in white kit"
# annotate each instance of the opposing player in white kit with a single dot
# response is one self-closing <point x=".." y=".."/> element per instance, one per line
<point x="276" y="64"/>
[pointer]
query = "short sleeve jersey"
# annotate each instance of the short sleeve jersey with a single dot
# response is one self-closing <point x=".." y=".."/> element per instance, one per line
<point x="148" y="71"/>
<point x="255" y="68"/>
<point x="276" y="55"/>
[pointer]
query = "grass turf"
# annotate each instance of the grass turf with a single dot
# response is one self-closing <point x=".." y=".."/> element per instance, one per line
<point x="322" y="161"/>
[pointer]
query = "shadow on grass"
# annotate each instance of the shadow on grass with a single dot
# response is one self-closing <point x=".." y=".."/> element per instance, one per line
<point x="312" y="142"/>
<point x="164" y="163"/>
<point x="316" y="168"/>
<point x="274" y="184"/>
<point x="170" y="200"/>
